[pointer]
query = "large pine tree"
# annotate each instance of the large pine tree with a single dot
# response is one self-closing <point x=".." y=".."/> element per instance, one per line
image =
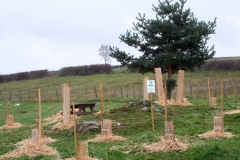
<point x="174" y="40"/>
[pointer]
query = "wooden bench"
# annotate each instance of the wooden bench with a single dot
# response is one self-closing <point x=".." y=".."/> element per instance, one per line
<point x="82" y="108"/>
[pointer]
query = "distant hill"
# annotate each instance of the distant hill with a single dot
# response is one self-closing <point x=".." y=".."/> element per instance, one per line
<point x="225" y="58"/>
<point x="213" y="64"/>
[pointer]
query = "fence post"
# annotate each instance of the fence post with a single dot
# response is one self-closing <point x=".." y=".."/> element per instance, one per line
<point x="127" y="91"/>
<point x="47" y="97"/>
<point x="235" y="89"/>
<point x="10" y="95"/>
<point x="214" y="90"/>
<point x="190" y="90"/>
<point x="139" y="90"/>
<point x="224" y="86"/>
<point x="77" y="92"/>
<point x="185" y="88"/>
<point x="86" y="93"/>
<point x="114" y="92"/>
<point x="56" y="93"/>
<point x="20" y="95"/>
<point x="121" y="91"/>
<point x="198" y="92"/>
<point x="205" y="93"/>
<point x="133" y="91"/>
<point x="28" y="95"/>
<point x="95" y="92"/>
<point x="105" y="92"/>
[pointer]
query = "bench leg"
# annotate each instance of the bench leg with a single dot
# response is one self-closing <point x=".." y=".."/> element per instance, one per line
<point x="92" y="110"/>
<point x="84" y="110"/>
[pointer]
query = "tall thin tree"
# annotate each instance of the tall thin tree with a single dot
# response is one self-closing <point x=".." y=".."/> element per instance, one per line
<point x="104" y="52"/>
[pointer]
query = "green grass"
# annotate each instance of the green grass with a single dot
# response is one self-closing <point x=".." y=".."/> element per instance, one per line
<point x="117" y="80"/>
<point x="188" y="121"/>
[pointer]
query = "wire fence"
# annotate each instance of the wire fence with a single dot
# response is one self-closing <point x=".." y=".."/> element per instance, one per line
<point x="196" y="91"/>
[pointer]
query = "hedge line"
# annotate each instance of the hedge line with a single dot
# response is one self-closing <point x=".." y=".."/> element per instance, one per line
<point x="24" y="76"/>
<point x="85" y="70"/>
<point x="213" y="65"/>
<point x="66" y="71"/>
<point x="221" y="65"/>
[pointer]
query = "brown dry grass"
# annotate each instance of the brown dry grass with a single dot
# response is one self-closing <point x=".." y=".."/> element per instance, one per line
<point x="82" y="158"/>
<point x="15" y="125"/>
<point x="107" y="138"/>
<point x="233" y="112"/>
<point x="166" y="144"/>
<point x="216" y="134"/>
<point x="29" y="147"/>
<point x="56" y="118"/>
<point x="174" y="102"/>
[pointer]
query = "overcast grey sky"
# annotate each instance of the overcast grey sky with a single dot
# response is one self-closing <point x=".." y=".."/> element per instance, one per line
<point x="52" y="34"/>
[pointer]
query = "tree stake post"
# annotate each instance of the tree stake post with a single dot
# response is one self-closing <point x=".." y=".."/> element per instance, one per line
<point x="152" y="111"/>
<point x="222" y="98"/>
<point x="75" y="131"/>
<point x="39" y="117"/>
<point x="7" y="110"/>
<point x="101" y="101"/>
<point x="209" y="93"/>
<point x="222" y="105"/>
<point x="52" y="110"/>
<point x="166" y="112"/>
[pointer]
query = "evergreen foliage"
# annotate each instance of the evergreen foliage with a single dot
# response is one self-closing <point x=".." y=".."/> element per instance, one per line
<point x="170" y="85"/>
<point x="174" y="40"/>
<point x="121" y="56"/>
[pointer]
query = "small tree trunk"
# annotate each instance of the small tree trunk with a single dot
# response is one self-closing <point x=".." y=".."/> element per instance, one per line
<point x="169" y="77"/>
<point x="169" y="71"/>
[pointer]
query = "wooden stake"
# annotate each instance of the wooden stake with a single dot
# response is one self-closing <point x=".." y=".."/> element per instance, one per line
<point x="145" y="93"/>
<point x="106" y="129"/>
<point x="66" y="92"/>
<point x="36" y="96"/>
<point x="7" y="109"/>
<point x="152" y="112"/>
<point x="166" y="114"/>
<point x="101" y="101"/>
<point x="52" y="109"/>
<point x="222" y="99"/>
<point x="39" y="117"/>
<point x="75" y="132"/>
<point x="209" y="93"/>
<point x="160" y="87"/>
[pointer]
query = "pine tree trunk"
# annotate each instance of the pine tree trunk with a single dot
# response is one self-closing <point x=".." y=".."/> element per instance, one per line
<point x="169" y="71"/>
<point x="169" y="77"/>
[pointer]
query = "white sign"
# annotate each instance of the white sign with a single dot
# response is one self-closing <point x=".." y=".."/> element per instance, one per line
<point x="150" y="86"/>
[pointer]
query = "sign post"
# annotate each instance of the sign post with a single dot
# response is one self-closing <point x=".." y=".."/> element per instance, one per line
<point x="151" y="90"/>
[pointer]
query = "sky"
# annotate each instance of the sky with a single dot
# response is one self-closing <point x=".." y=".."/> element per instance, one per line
<point x="52" y="34"/>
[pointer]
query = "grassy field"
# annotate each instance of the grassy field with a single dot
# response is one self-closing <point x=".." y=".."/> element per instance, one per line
<point x="188" y="121"/>
<point x="119" y="78"/>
